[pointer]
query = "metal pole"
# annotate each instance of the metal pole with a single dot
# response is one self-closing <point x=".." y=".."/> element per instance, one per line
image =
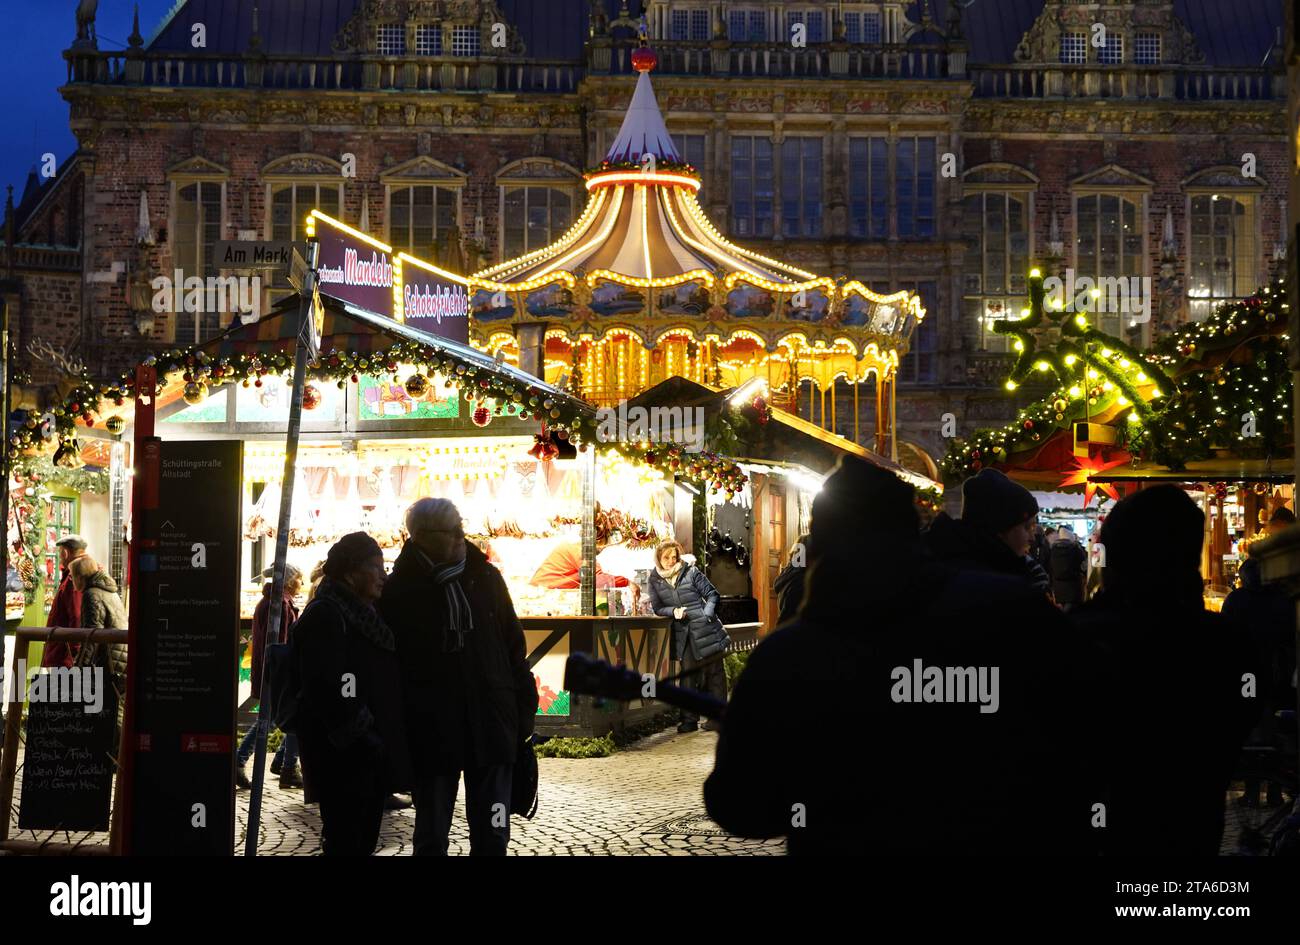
<point x="272" y="633"/>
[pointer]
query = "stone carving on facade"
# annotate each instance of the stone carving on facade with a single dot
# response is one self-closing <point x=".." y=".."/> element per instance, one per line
<point x="303" y="165"/>
<point x="423" y="167"/>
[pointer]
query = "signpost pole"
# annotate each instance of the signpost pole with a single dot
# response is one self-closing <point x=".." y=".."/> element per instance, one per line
<point x="272" y="634"/>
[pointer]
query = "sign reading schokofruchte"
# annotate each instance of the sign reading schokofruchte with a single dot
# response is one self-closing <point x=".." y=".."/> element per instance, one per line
<point x="364" y="272"/>
<point x="434" y="304"/>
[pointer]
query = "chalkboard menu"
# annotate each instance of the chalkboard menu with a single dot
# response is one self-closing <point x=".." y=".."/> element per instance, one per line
<point x="68" y="765"/>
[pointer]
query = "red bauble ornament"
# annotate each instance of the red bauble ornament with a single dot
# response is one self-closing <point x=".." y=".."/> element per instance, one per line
<point x="311" y="397"/>
<point x="650" y="458"/>
<point x="482" y="417"/>
<point x="644" y="59"/>
<point x="1029" y="424"/>
<point x="977" y="465"/>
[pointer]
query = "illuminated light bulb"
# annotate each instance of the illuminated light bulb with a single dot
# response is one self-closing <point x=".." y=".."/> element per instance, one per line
<point x="1095" y="293"/>
<point x="1134" y="418"/>
<point x="1019" y="345"/>
<point x="1058" y="304"/>
<point x="1012" y="385"/>
<point x="1125" y="363"/>
<point x="1141" y="378"/>
<point x="1070" y="359"/>
<point x="1076" y="391"/>
<point x="1093" y="375"/>
<point x="1107" y="386"/>
<point x="1042" y="366"/>
<point x="1081" y="321"/>
<point x="1106" y="352"/>
<point x="1034" y="273"/>
<point x="1123" y="401"/>
<point x="1024" y="313"/>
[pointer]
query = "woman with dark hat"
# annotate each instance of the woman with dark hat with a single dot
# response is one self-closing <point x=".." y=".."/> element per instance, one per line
<point x="352" y="737"/>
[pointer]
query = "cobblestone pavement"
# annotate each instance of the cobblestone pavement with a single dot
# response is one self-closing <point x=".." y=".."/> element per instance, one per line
<point x="645" y="799"/>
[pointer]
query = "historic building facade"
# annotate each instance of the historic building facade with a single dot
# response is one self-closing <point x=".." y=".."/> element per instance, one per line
<point x="936" y="146"/>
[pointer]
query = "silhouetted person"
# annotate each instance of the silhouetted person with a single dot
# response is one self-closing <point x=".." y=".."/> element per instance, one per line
<point x="1265" y="615"/>
<point x="789" y="584"/>
<point x="352" y="736"/>
<point x="994" y="532"/>
<point x="65" y="609"/>
<point x="884" y="771"/>
<point x="1171" y="712"/>
<point x="470" y="698"/>
<point x="1069" y="566"/>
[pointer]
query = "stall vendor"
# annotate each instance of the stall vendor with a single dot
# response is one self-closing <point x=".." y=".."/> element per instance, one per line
<point x="65" y="611"/>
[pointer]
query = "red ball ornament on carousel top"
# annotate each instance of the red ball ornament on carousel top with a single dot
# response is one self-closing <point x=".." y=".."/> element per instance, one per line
<point x="644" y="58"/>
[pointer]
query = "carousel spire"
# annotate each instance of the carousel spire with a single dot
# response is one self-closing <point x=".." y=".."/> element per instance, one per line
<point x="643" y="131"/>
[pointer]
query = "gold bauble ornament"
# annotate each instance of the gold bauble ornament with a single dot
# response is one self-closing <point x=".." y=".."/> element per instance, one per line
<point x="115" y="425"/>
<point x="195" y="393"/>
<point x="417" y="385"/>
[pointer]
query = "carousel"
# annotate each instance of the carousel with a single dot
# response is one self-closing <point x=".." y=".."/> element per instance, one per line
<point x="643" y="288"/>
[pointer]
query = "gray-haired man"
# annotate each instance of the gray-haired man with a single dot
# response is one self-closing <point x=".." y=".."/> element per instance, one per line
<point x="469" y="694"/>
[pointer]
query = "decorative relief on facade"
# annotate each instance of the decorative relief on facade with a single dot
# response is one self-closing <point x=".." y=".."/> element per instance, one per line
<point x="303" y="165"/>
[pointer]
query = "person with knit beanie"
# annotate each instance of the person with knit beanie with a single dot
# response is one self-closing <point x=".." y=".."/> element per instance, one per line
<point x="874" y="774"/>
<point x="994" y="532"/>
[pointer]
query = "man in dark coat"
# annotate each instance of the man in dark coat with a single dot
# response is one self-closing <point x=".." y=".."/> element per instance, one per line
<point x="892" y="767"/>
<point x="994" y="531"/>
<point x="470" y="696"/>
<point x="1069" y="566"/>
<point x="351" y="733"/>
<point x="65" y="610"/>
<point x="1176" y="703"/>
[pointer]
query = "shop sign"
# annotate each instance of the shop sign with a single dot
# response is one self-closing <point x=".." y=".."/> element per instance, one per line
<point x="185" y="674"/>
<point x="465" y="462"/>
<point x="354" y="269"/>
<point x="433" y="303"/>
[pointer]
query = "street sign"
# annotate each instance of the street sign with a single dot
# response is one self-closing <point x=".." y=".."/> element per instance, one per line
<point x="185" y="656"/>
<point x="256" y="254"/>
<point x="298" y="268"/>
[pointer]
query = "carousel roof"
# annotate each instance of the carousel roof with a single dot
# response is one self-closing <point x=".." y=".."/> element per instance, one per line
<point x="642" y="225"/>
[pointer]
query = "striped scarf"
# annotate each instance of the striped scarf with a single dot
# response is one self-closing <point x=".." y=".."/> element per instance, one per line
<point x="460" y="620"/>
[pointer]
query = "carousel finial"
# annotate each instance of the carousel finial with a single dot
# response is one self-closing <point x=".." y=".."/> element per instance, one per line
<point x="643" y="57"/>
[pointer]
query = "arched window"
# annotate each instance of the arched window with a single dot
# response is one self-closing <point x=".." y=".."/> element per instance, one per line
<point x="1222" y="248"/>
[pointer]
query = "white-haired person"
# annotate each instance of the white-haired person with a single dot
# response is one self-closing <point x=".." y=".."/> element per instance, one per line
<point x="470" y="698"/>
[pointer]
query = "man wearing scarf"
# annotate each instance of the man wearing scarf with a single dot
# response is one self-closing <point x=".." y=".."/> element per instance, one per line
<point x="469" y="694"/>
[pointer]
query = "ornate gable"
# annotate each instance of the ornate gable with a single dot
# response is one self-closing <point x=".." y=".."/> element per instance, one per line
<point x="359" y="33"/>
<point x="197" y="167"/>
<point x="1112" y="175"/>
<point x="999" y="173"/>
<point x="539" y="169"/>
<point x="302" y="165"/>
<point x="1223" y="177"/>
<point x="1042" y="41"/>
<point x="424" y="170"/>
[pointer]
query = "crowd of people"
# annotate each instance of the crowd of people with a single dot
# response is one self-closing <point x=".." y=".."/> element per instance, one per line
<point x="1118" y="719"/>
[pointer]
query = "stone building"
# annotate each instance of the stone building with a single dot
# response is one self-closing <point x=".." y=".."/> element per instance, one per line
<point x="939" y="146"/>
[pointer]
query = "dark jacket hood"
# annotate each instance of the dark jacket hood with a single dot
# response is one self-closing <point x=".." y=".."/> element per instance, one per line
<point x="955" y="543"/>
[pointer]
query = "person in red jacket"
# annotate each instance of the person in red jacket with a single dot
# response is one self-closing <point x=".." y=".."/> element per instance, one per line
<point x="65" y="611"/>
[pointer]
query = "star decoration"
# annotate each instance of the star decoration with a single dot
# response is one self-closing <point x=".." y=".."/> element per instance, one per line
<point x="1081" y="476"/>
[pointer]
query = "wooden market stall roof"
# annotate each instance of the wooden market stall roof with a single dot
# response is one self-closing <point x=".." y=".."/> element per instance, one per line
<point x="790" y="439"/>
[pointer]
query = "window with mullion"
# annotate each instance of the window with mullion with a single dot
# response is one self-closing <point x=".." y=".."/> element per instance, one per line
<point x="390" y="39"/>
<point x="995" y="227"/>
<point x="1074" y="48"/>
<point x="814" y="22"/>
<point x="1108" y="244"/>
<point x="914" y="178"/>
<point x="535" y="217"/>
<point x="690" y="148"/>
<point x="920" y="364"/>
<point x="1112" y="52"/>
<point x="801" y="187"/>
<point x="746" y="26"/>
<point x="1222" y="259"/>
<point x="290" y="204"/>
<point x="751" y="186"/>
<point x="197" y="230"/>
<point x="869" y="187"/>
<point x="419" y="215"/>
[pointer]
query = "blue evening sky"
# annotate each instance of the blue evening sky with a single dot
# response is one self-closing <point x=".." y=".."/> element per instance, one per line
<point x="32" y="68"/>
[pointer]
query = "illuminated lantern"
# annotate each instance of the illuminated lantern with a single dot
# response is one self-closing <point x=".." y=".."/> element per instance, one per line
<point x="417" y="385"/>
<point x="195" y="393"/>
<point x="311" y="397"/>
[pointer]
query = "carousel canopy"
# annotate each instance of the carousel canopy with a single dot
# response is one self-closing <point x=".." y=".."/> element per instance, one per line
<point x="643" y="228"/>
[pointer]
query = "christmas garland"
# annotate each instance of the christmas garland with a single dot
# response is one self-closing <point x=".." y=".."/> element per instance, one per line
<point x="661" y="166"/>
<point x="200" y="371"/>
<point x="1230" y="389"/>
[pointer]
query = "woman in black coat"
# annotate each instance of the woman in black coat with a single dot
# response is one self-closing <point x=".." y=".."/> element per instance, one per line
<point x="682" y="592"/>
<point x="352" y="737"/>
